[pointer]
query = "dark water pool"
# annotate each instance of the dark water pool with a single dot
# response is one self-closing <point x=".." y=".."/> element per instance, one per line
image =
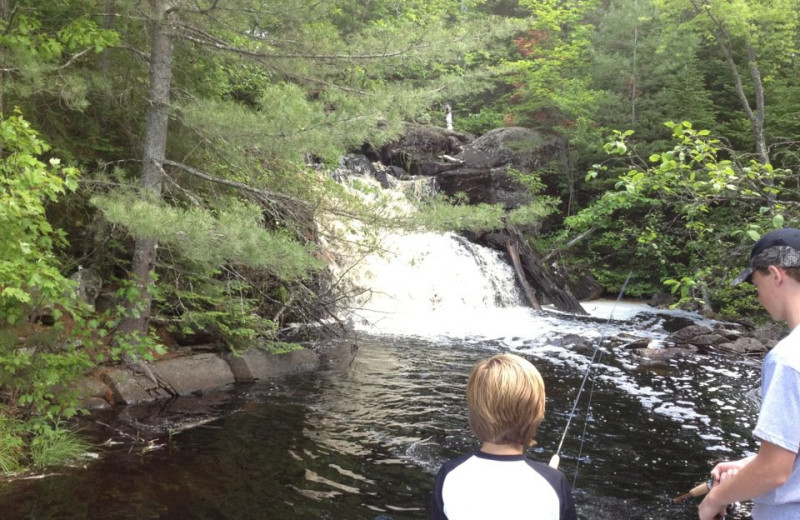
<point x="364" y="437"/>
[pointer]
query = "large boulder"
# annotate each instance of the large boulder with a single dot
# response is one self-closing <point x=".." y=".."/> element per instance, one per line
<point x="523" y="149"/>
<point x="484" y="175"/>
<point x="489" y="186"/>
<point x="424" y="150"/>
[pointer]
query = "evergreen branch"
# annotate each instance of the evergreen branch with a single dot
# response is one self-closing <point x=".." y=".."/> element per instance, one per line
<point x="203" y="38"/>
<point x="69" y="62"/>
<point x="315" y="80"/>
<point x="238" y="185"/>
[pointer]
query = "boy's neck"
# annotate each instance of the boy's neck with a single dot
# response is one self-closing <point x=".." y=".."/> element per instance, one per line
<point x="502" y="449"/>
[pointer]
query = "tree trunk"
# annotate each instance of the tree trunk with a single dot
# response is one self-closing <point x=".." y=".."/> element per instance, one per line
<point x="155" y="144"/>
<point x="4" y="14"/>
<point x="109" y="21"/>
<point x="756" y="116"/>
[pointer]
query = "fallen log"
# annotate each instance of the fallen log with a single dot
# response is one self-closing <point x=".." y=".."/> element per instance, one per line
<point x="530" y="295"/>
<point x="536" y="274"/>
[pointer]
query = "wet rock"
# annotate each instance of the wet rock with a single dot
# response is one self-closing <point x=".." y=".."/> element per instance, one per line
<point x="485" y="186"/>
<point x="661" y="300"/>
<point x="571" y="340"/>
<point x="707" y="340"/>
<point x="676" y="323"/>
<point x="129" y="388"/>
<point x="744" y="345"/>
<point x="337" y="354"/>
<point x="95" y="404"/>
<point x="770" y="334"/>
<point x="638" y="344"/>
<point x="189" y="374"/>
<point x="687" y="334"/>
<point x="523" y="149"/>
<point x="177" y="376"/>
<point x="584" y="286"/>
<point x="91" y="392"/>
<point x="356" y="164"/>
<point x="730" y="334"/>
<point x="258" y="364"/>
<point x="197" y="373"/>
<point x="663" y="354"/>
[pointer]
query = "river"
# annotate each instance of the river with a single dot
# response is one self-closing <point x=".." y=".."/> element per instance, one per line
<point x="363" y="437"/>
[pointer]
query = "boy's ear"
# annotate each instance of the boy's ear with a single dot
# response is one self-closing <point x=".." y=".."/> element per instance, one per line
<point x="777" y="273"/>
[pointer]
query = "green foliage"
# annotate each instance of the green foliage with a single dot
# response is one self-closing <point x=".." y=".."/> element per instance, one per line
<point x="481" y="122"/>
<point x="681" y="217"/>
<point x="234" y="234"/>
<point x="56" y="445"/>
<point x="212" y="289"/>
<point x="549" y="75"/>
<point x="27" y="262"/>
<point x="37" y="363"/>
<point x="43" y="43"/>
<point x="649" y="71"/>
<point x="221" y="308"/>
<point x="11" y="444"/>
<point x="453" y="214"/>
<point x="443" y="215"/>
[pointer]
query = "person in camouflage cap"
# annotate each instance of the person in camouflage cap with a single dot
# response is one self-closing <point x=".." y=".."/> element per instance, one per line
<point x="771" y="477"/>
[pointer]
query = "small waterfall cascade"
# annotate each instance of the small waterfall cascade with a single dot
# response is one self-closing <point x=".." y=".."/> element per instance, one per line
<point x="421" y="282"/>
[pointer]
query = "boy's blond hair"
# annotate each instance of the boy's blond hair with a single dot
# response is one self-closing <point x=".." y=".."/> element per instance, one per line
<point x="505" y="394"/>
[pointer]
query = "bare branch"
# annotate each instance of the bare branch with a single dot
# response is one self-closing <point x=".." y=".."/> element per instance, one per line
<point x="74" y="57"/>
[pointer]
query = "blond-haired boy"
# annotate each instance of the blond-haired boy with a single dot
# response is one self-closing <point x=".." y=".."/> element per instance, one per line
<point x="505" y="394"/>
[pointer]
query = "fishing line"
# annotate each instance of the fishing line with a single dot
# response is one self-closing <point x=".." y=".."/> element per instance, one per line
<point x="554" y="461"/>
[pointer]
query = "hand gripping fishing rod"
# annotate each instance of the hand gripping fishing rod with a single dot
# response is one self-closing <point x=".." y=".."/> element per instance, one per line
<point x="556" y="459"/>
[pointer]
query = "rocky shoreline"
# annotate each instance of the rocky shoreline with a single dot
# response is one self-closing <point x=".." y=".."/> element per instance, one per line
<point x="190" y="373"/>
<point x="195" y="387"/>
<point x="193" y="373"/>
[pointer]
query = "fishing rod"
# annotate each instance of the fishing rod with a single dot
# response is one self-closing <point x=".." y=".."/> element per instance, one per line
<point x="697" y="491"/>
<point x="700" y="490"/>
<point x="556" y="459"/>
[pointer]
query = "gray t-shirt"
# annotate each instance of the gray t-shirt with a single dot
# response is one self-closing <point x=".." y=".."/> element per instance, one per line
<point x="779" y="424"/>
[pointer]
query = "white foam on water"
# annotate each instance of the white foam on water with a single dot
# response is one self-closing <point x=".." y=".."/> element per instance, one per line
<point x="443" y="288"/>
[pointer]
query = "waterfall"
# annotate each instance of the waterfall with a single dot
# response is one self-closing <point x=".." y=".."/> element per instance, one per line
<point x="424" y="282"/>
<point x="427" y="282"/>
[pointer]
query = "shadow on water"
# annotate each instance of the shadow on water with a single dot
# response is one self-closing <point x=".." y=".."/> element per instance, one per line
<point x="363" y="440"/>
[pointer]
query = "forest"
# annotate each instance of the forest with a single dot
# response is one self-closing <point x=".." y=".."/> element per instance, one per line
<point x="178" y="150"/>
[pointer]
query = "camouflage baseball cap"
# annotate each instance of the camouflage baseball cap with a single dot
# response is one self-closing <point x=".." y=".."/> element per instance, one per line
<point x="780" y="248"/>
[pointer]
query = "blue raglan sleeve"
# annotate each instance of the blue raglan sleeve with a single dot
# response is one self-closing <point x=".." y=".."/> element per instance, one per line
<point x="568" y="511"/>
<point x="437" y="501"/>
